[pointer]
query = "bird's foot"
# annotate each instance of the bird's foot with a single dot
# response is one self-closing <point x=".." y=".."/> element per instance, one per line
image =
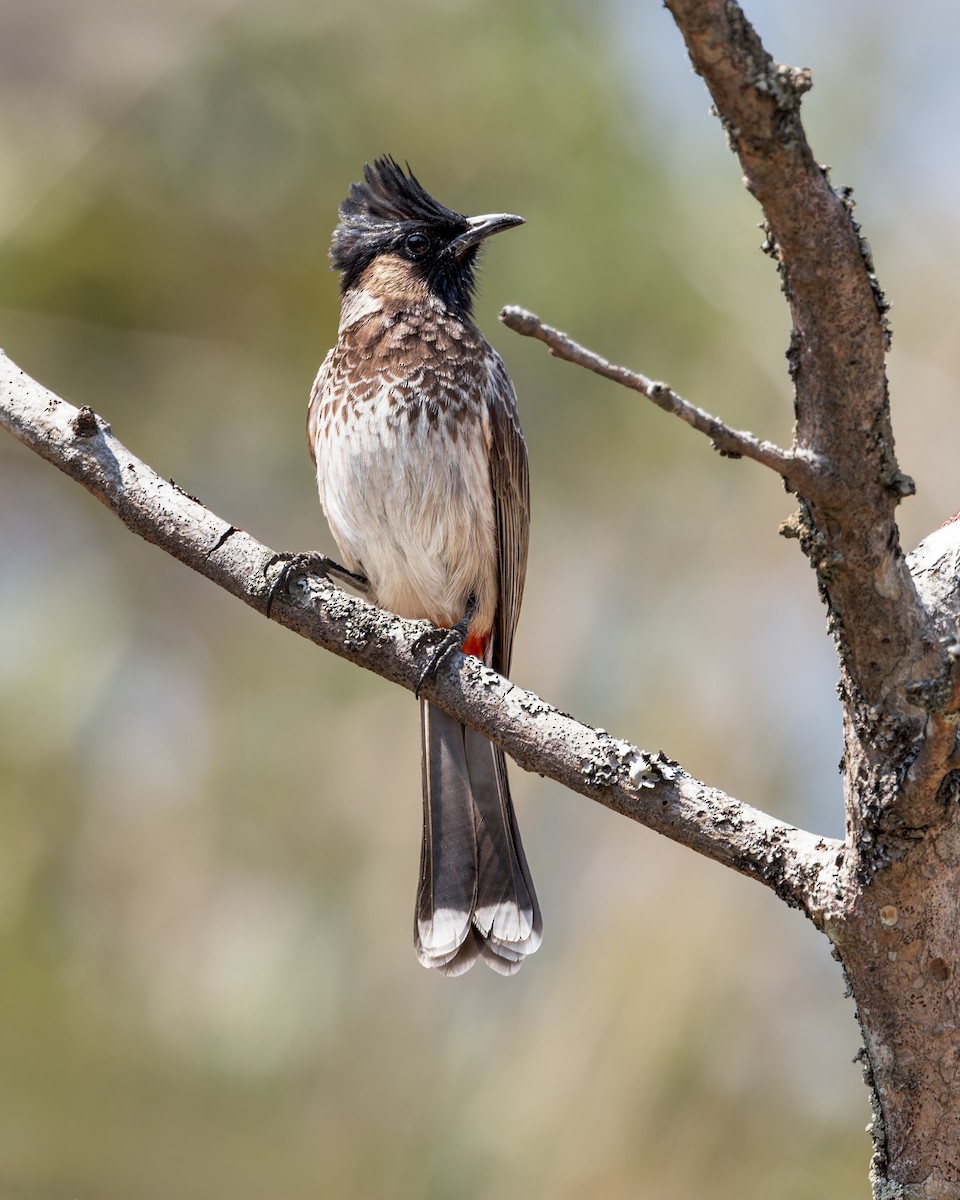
<point x="313" y="564"/>
<point x="445" y="642"/>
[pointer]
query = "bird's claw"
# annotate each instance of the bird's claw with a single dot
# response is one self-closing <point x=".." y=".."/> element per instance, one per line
<point x="446" y="642"/>
<point x="312" y="563"/>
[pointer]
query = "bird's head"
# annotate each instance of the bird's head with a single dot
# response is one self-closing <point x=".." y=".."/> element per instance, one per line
<point x="391" y="221"/>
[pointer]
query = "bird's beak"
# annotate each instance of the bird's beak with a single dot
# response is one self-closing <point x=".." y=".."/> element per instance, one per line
<point x="479" y="228"/>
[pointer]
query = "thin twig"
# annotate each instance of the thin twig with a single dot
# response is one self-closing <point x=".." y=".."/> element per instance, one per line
<point x="799" y="472"/>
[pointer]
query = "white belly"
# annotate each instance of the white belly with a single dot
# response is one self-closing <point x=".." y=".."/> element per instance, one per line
<point x="413" y="511"/>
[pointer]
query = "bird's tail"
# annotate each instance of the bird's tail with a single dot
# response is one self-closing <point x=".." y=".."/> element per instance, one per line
<point x="475" y="897"/>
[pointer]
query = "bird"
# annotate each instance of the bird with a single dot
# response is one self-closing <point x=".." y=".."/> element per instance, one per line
<point x="423" y="477"/>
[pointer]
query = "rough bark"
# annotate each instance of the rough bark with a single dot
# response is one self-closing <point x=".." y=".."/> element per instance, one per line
<point x="895" y="919"/>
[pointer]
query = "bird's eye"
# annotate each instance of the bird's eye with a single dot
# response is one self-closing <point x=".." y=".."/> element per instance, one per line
<point x="417" y="243"/>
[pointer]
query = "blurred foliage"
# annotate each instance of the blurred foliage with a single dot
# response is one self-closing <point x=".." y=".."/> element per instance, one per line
<point x="209" y="831"/>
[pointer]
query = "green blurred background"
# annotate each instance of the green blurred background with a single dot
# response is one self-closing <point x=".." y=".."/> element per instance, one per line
<point x="209" y="830"/>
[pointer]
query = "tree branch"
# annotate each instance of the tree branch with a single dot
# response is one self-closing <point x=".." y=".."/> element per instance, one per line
<point x="647" y="788"/>
<point x="800" y="473"/>
<point x="837" y="350"/>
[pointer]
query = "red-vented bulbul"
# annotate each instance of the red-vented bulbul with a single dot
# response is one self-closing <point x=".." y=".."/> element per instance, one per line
<point x="422" y="471"/>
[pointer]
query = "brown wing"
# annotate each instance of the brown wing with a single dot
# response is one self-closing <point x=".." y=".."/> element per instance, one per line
<point x="316" y="403"/>
<point x="510" y="476"/>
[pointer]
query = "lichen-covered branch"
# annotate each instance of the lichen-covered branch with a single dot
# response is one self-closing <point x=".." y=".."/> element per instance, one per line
<point x="648" y="788"/>
<point x="800" y="473"/>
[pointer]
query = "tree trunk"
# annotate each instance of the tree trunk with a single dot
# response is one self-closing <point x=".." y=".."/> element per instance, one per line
<point x="896" y="918"/>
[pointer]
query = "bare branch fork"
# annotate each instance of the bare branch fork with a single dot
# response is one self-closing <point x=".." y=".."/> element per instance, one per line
<point x="647" y="787"/>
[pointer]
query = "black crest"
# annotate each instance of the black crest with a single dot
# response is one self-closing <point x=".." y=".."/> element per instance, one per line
<point x="389" y="194"/>
<point x="378" y="217"/>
